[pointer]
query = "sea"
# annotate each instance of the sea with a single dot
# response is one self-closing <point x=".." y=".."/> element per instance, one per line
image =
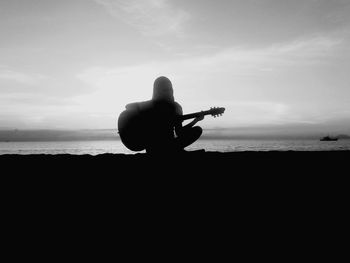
<point x="95" y="147"/>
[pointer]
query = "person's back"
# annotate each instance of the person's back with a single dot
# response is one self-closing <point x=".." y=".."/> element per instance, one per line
<point x="159" y="122"/>
<point x="162" y="117"/>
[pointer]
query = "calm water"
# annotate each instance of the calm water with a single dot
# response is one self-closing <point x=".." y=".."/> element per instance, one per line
<point x="100" y="147"/>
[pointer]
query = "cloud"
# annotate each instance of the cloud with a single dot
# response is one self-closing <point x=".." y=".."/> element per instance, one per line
<point x="230" y="78"/>
<point x="27" y="84"/>
<point x="225" y="78"/>
<point x="298" y="52"/>
<point x="234" y="61"/>
<point x="20" y="77"/>
<point x="192" y="74"/>
<point x="259" y="112"/>
<point x="150" y="17"/>
<point x="315" y="48"/>
<point x="33" y="99"/>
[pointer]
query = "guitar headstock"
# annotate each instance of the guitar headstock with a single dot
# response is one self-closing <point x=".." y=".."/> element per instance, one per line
<point x="216" y="111"/>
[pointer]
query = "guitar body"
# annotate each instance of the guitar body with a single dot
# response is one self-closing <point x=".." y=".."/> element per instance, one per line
<point x="130" y="126"/>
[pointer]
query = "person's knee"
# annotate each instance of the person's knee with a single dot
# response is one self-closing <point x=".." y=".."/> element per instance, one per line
<point x="198" y="130"/>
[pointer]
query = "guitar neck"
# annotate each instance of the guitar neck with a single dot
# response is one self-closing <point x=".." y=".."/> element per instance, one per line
<point x="194" y="115"/>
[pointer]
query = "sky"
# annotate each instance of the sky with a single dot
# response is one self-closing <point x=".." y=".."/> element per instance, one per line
<point x="75" y="64"/>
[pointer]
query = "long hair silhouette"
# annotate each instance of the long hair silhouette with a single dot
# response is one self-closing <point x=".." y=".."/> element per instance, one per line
<point x="163" y="90"/>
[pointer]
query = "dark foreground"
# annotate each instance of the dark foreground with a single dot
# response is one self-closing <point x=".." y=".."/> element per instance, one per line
<point x="244" y="175"/>
<point x="257" y="204"/>
<point x="122" y="165"/>
<point x="190" y="170"/>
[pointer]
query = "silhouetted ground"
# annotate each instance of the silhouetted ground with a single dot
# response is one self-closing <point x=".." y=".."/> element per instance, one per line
<point x="245" y="175"/>
<point x="256" y="203"/>
<point x="197" y="168"/>
<point x="310" y="178"/>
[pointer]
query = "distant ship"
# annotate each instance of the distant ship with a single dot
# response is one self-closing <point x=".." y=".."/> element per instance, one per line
<point x="328" y="138"/>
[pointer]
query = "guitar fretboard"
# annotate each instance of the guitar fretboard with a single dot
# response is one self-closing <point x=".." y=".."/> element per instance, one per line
<point x="195" y="115"/>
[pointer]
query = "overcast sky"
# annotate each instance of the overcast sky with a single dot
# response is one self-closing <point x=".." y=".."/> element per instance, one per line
<point x="76" y="63"/>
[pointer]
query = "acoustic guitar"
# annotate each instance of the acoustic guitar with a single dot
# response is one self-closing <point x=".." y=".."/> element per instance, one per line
<point x="131" y="126"/>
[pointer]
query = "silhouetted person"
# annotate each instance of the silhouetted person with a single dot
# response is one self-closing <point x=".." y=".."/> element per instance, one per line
<point x="161" y="126"/>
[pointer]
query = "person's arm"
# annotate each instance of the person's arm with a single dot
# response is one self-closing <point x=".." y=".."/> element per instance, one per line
<point x="178" y="126"/>
<point x="194" y="122"/>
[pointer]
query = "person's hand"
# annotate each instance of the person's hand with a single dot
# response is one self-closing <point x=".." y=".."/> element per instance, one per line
<point x="200" y="118"/>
